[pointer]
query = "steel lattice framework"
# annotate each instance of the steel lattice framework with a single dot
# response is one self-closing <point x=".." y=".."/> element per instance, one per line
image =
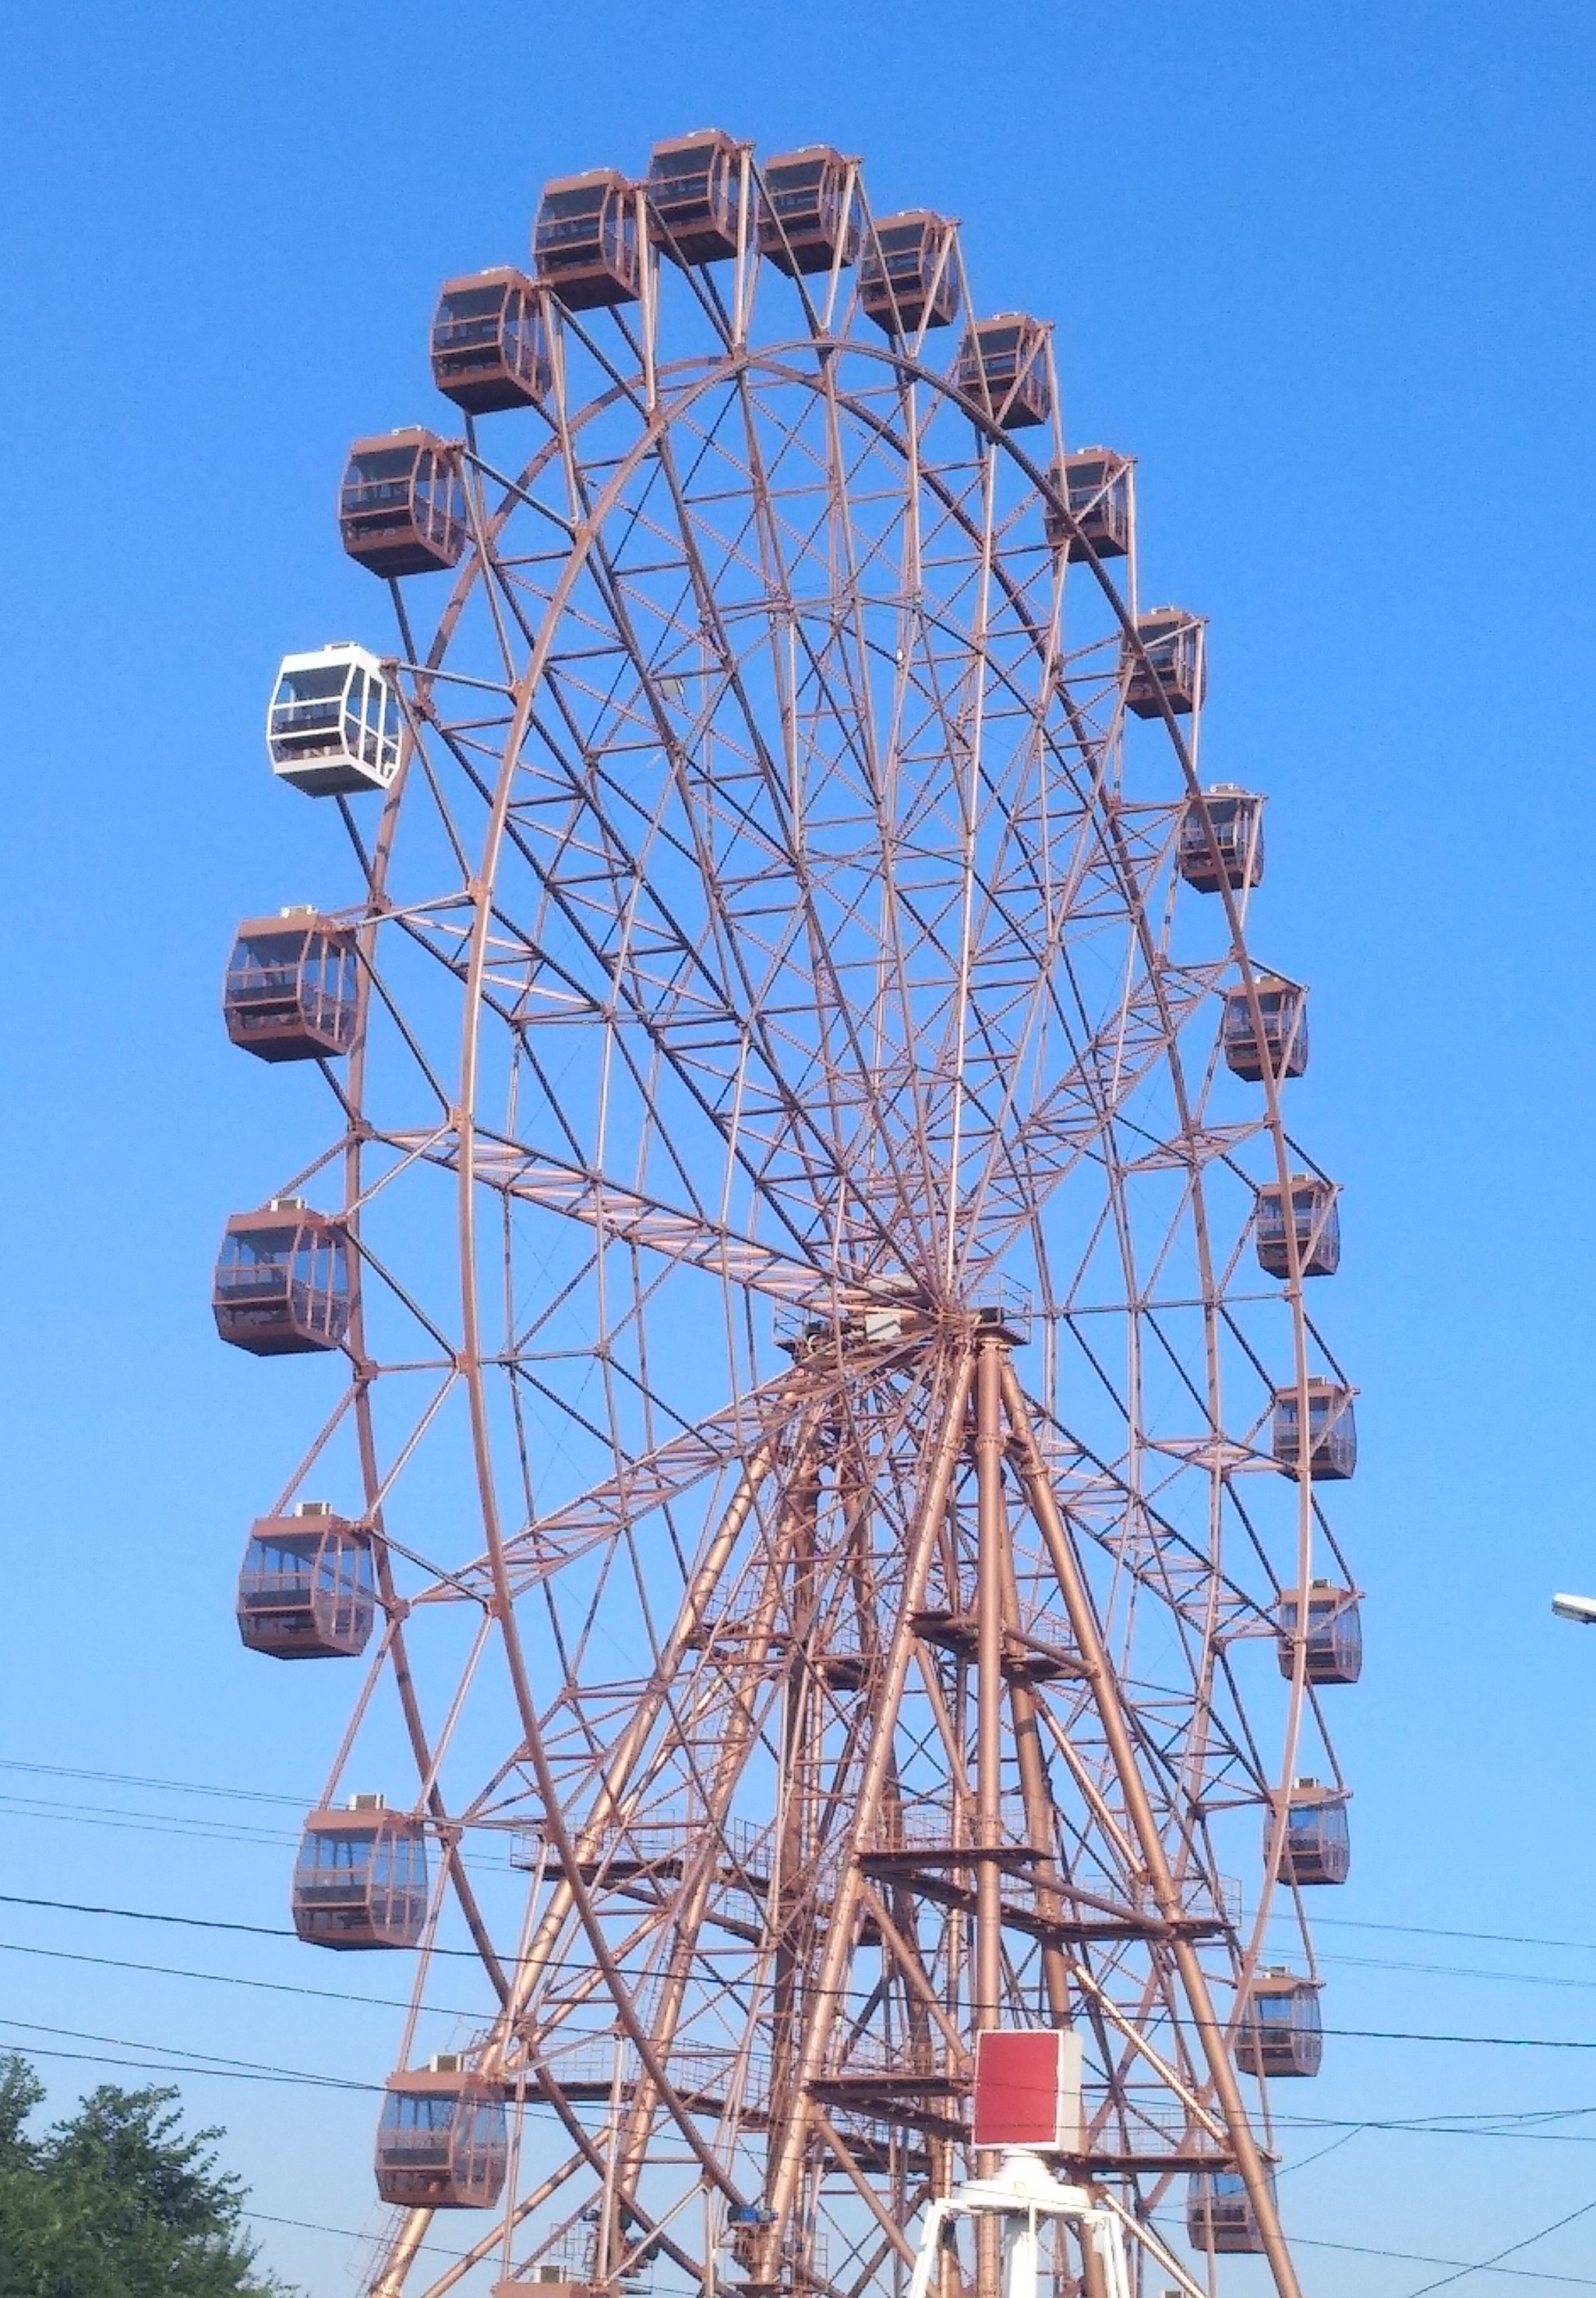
<point x="811" y="1378"/>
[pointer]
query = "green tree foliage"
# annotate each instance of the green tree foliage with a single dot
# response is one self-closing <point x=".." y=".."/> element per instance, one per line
<point x="116" y="2202"/>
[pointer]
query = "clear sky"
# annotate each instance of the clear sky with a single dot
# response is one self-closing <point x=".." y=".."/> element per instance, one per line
<point x="1327" y="272"/>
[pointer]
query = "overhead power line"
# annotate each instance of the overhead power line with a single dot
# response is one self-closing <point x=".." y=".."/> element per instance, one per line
<point x="1512" y="2251"/>
<point x="145" y="1823"/>
<point x="303" y="1803"/>
<point x="231" y="1979"/>
<point x="188" y="1923"/>
<point x="184" y="2059"/>
<point x="1299" y="2242"/>
<point x="1425" y="2258"/>
<point x="141" y="1779"/>
<point x="347" y="2234"/>
<point x="169" y="2068"/>
<point x="201" y="2061"/>
<point x="204" y="1830"/>
<point x="469" y="1955"/>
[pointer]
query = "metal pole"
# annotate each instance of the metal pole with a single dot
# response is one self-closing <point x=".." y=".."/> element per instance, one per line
<point x="992" y="1534"/>
<point x="1107" y="1696"/>
<point x="787" y="2164"/>
<point x="991" y="1556"/>
<point x="1038" y="1807"/>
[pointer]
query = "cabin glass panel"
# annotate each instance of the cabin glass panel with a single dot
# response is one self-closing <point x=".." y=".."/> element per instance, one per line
<point x="1172" y="671"/>
<point x="586" y="243"/>
<point x="361" y="1882"/>
<point x="1096" y="486"/>
<point x="309" y="710"/>
<point x="695" y="193"/>
<point x="443" y="2149"/>
<point x="1332" y="1432"/>
<point x="806" y="222"/>
<point x="1281" y="1050"/>
<point x="283" y="1284"/>
<point x="907" y="278"/>
<point x="290" y="994"/>
<point x="1236" y="820"/>
<point x="401" y="510"/>
<point x="1334" y="1640"/>
<point x="371" y="717"/>
<point x="490" y="343"/>
<point x="1281" y="2032"/>
<point x="1314" y="1220"/>
<point x="333" y="723"/>
<point x="307" y="1589"/>
<point x="1003" y="365"/>
<point x="1220" y="2214"/>
<point x="1318" y="1843"/>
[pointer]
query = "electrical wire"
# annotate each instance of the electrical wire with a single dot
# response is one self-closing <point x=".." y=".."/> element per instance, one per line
<point x="1299" y="2242"/>
<point x="1434" y="1931"/>
<point x="1306" y="2162"/>
<point x="190" y="1923"/>
<point x="182" y="2059"/>
<point x="209" y="1831"/>
<point x="347" y="2234"/>
<point x="1459" y="1970"/>
<point x="1486" y="2264"/>
<point x="166" y="2066"/>
<point x="203" y="1830"/>
<point x="1424" y="2258"/>
<point x="141" y="1780"/>
<point x="392" y="2003"/>
<point x="231" y="1979"/>
<point x="174" y="2060"/>
<point x="239" y="2069"/>
<point x="1507" y="2124"/>
<point x="1321" y="1923"/>
<point x="1497" y="2042"/>
<point x="145" y="1823"/>
<point x="219" y="2063"/>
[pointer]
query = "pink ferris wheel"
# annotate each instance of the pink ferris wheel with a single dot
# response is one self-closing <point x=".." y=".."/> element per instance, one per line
<point x="817" y="1478"/>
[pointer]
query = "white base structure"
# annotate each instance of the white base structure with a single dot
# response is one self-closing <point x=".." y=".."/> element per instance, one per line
<point x="1023" y="2192"/>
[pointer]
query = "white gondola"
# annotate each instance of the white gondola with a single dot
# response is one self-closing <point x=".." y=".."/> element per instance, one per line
<point x="332" y="724"/>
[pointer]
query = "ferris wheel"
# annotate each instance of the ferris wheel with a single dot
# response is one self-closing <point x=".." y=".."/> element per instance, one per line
<point x="820" y="1438"/>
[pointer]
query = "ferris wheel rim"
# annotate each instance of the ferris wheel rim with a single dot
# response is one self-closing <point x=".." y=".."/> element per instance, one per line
<point x="712" y="374"/>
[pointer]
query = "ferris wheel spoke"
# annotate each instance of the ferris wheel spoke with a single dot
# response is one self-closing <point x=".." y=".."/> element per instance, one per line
<point x="715" y="1087"/>
<point x="682" y="1237"/>
<point x="835" y="1007"/>
<point x="1046" y="1145"/>
<point x="873" y="745"/>
<point x="753" y="999"/>
<point x="657" y="1479"/>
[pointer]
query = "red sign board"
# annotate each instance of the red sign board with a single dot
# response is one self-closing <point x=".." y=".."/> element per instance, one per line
<point x="1028" y="2088"/>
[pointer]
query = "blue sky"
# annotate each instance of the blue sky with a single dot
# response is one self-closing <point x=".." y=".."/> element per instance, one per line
<point x="1328" y="274"/>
